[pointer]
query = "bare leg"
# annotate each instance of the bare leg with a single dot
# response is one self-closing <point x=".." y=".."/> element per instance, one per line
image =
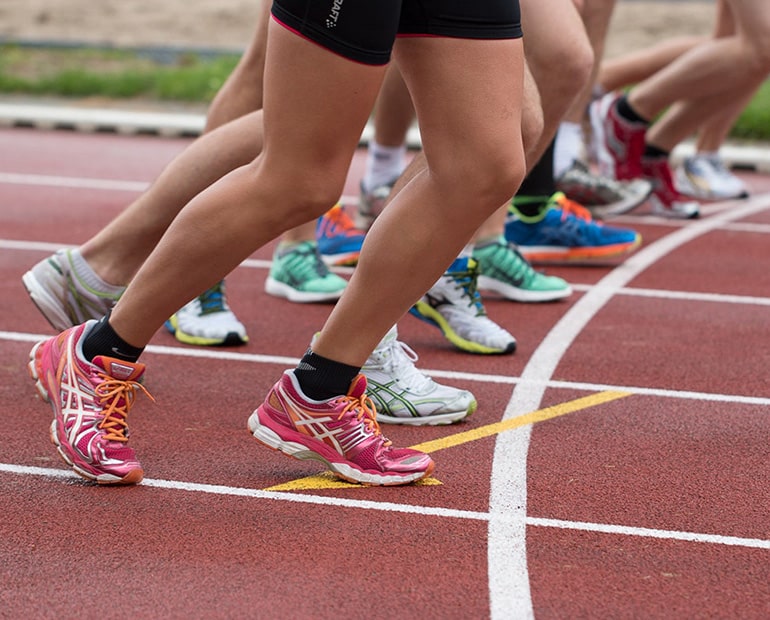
<point x="480" y="166"/>
<point x="255" y="203"/>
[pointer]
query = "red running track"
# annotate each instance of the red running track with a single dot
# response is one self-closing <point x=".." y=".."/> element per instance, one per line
<point x="640" y="490"/>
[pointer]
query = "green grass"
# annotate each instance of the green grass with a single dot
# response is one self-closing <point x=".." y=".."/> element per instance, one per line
<point x="125" y="74"/>
<point x="111" y="74"/>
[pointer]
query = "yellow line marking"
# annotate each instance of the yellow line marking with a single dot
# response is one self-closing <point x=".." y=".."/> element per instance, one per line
<point x="327" y="480"/>
<point x="523" y="420"/>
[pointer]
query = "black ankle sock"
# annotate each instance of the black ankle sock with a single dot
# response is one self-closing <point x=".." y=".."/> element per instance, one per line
<point x="628" y="113"/>
<point x="538" y="186"/>
<point x="103" y="340"/>
<point x="653" y="152"/>
<point x="321" y="378"/>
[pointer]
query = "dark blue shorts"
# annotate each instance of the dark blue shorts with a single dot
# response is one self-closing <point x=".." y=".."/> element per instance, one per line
<point x="364" y="30"/>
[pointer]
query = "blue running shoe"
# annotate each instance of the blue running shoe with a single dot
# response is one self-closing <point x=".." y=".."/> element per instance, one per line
<point x="565" y="231"/>
<point x="339" y="241"/>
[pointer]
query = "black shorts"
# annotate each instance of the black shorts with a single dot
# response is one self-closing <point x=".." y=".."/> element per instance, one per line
<point x="364" y="30"/>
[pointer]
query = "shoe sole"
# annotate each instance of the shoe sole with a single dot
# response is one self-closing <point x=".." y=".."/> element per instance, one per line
<point x="271" y="439"/>
<point x="441" y="419"/>
<point x="133" y="477"/>
<point x="232" y="339"/>
<point x="659" y="209"/>
<point x="349" y="259"/>
<point x="514" y="293"/>
<point x="546" y="254"/>
<point x="426" y="313"/>
<point x="279" y="289"/>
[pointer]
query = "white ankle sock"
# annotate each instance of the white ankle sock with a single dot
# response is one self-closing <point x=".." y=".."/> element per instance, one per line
<point x="384" y="164"/>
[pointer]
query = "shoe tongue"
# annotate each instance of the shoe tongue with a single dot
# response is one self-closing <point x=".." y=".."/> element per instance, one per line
<point x="459" y="264"/>
<point x="119" y="369"/>
<point x="357" y="387"/>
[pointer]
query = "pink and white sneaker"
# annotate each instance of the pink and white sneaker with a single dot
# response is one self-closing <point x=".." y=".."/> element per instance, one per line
<point x="341" y="432"/>
<point x="619" y="143"/>
<point x="666" y="199"/>
<point x="90" y="402"/>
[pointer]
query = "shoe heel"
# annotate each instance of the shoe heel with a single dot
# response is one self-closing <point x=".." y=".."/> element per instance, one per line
<point x="32" y="370"/>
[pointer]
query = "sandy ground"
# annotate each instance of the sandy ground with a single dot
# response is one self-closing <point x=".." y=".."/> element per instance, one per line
<point x="228" y="23"/>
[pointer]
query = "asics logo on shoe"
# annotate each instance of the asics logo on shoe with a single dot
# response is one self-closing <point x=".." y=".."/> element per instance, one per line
<point x="342" y="439"/>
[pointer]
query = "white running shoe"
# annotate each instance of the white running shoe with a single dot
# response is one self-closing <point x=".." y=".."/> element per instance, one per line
<point x="404" y="395"/>
<point x="704" y="176"/>
<point x="67" y="291"/>
<point x="208" y="321"/>
<point x="454" y="305"/>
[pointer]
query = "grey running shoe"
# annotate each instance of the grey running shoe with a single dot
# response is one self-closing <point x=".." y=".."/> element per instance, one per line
<point x="404" y="395"/>
<point x="370" y="204"/>
<point x="66" y="297"/>
<point x="601" y="195"/>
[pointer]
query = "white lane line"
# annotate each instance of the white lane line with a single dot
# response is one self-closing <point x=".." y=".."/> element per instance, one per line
<point x="257" y="263"/>
<point x="684" y="295"/>
<point x="256" y="358"/>
<point x="428" y="511"/>
<point x="510" y="595"/>
<point x="44" y="180"/>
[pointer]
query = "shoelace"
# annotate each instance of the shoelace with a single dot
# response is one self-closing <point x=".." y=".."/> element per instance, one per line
<point x="115" y="414"/>
<point x="467" y="281"/>
<point x="365" y="411"/>
<point x="305" y="263"/>
<point x="400" y="360"/>
<point x="511" y="261"/>
<point x="570" y="207"/>
<point x="340" y="223"/>
<point x="212" y="300"/>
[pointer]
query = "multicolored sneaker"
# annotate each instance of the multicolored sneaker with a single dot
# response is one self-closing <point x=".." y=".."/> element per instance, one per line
<point x="371" y="203"/>
<point x="90" y="402"/>
<point x="339" y="241"/>
<point x="299" y="275"/>
<point x="602" y="195"/>
<point x="454" y="305"/>
<point x="341" y="432"/>
<point x="207" y="321"/>
<point x="704" y="176"/>
<point x="666" y="199"/>
<point x="67" y="295"/>
<point x="404" y="395"/>
<point x="565" y="231"/>
<point x="505" y="271"/>
<point x="619" y="143"/>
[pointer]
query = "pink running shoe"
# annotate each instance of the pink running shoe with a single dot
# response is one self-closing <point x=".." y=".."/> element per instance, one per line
<point x="90" y="402"/>
<point x="666" y="199"/>
<point x="619" y="143"/>
<point x="341" y="432"/>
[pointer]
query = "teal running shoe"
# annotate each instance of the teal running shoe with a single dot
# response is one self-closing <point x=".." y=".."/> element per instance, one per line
<point x="299" y="275"/>
<point x="505" y="271"/>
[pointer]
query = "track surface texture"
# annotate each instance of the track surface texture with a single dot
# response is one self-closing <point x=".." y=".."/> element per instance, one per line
<point x="638" y="488"/>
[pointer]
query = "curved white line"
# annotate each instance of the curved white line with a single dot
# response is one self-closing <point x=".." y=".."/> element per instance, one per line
<point x="508" y="575"/>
